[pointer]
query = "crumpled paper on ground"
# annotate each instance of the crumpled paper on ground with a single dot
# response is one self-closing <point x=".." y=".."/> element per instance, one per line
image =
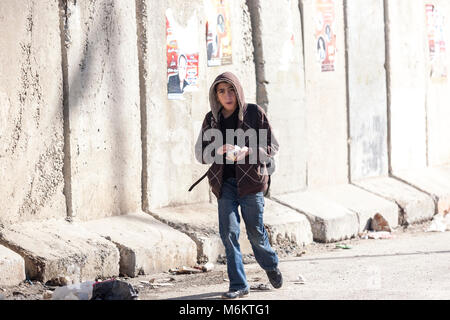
<point x="440" y="223"/>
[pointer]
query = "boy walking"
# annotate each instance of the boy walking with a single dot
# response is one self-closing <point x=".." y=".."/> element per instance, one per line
<point x="237" y="140"/>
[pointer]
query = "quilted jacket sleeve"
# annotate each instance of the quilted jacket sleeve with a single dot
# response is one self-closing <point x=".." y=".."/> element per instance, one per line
<point x="205" y="147"/>
<point x="268" y="145"/>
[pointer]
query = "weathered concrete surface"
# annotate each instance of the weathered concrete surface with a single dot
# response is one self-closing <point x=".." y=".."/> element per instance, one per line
<point x="415" y="206"/>
<point x="243" y="61"/>
<point x="367" y="98"/>
<point x="278" y="52"/>
<point x="407" y="86"/>
<point x="55" y="248"/>
<point x="200" y="222"/>
<point x="284" y="225"/>
<point x="438" y="113"/>
<point x="363" y="203"/>
<point x="326" y="104"/>
<point x="329" y="220"/>
<point x="104" y="108"/>
<point x="31" y="120"/>
<point x="434" y="182"/>
<point x="12" y="267"/>
<point x="170" y="163"/>
<point x="145" y="244"/>
<point x="168" y="143"/>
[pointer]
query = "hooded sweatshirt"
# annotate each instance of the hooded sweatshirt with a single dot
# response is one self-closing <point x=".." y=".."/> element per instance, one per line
<point x="252" y="172"/>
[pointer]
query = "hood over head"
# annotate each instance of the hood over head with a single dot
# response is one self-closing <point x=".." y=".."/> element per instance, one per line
<point x="234" y="81"/>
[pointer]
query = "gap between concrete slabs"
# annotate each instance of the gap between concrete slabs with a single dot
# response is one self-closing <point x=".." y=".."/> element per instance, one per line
<point x="146" y="245"/>
<point x="200" y="222"/>
<point x="433" y="181"/>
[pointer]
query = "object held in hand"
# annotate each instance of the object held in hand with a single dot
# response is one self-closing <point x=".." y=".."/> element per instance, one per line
<point x="236" y="153"/>
<point x="232" y="154"/>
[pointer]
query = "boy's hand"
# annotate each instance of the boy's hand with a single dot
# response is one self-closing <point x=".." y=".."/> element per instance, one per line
<point x="224" y="149"/>
<point x="242" y="153"/>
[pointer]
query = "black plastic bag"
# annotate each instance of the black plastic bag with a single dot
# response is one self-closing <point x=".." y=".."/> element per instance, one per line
<point x="114" y="290"/>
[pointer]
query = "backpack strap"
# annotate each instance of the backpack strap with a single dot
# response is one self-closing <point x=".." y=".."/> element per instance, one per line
<point x="268" y="187"/>
<point x="198" y="181"/>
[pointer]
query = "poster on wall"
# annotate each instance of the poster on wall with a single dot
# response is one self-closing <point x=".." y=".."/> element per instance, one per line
<point x="436" y="42"/>
<point x="218" y="32"/>
<point x="182" y="56"/>
<point x="325" y="35"/>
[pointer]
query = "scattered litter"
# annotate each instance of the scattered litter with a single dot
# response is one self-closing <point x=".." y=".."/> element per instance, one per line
<point x="59" y="281"/>
<point x="300" y="280"/>
<point x="342" y="246"/>
<point x="208" y="267"/>
<point x="185" y="270"/>
<point x="379" y="235"/>
<point x="196" y="269"/>
<point x="114" y="290"/>
<point x="379" y="223"/>
<point x="299" y="254"/>
<point x="440" y="223"/>
<point x="47" y="295"/>
<point x="376" y="235"/>
<point x="79" y="291"/>
<point x="260" y="287"/>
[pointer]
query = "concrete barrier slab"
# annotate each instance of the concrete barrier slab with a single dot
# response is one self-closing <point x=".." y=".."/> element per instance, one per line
<point x="200" y="222"/>
<point x="53" y="249"/>
<point x="364" y="203"/>
<point x="31" y="112"/>
<point x="145" y="244"/>
<point x="104" y="135"/>
<point x="329" y="220"/>
<point x="12" y="268"/>
<point x="415" y="206"/>
<point x="285" y="225"/>
<point x="433" y="181"/>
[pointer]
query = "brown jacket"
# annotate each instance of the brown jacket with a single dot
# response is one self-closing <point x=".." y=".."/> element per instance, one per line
<point x="251" y="176"/>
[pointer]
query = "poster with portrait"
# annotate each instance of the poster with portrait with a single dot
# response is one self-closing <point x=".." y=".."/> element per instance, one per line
<point x="218" y="32"/>
<point x="436" y="42"/>
<point x="325" y="35"/>
<point x="182" y="56"/>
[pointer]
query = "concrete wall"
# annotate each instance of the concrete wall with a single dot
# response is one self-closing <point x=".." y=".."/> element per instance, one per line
<point x="278" y="41"/>
<point x="172" y="126"/>
<point x="92" y="118"/>
<point x="31" y="118"/>
<point x="326" y="104"/>
<point x="103" y="108"/>
<point x="367" y="99"/>
<point x="438" y="95"/>
<point x="407" y="56"/>
<point x="243" y="61"/>
<point x="169" y="123"/>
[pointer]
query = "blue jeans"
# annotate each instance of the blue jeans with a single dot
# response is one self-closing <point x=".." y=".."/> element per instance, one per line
<point x="252" y="209"/>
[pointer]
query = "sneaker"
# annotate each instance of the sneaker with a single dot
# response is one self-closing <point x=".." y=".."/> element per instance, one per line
<point x="233" y="294"/>
<point x="275" y="278"/>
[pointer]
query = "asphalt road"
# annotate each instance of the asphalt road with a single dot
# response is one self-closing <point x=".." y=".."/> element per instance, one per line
<point x="409" y="266"/>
